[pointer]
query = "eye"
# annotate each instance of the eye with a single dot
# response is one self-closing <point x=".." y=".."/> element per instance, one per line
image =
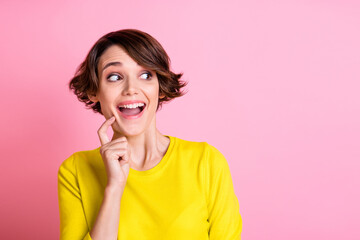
<point x="146" y="75"/>
<point x="113" y="77"/>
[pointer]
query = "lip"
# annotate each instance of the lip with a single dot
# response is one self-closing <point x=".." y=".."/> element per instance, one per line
<point x="130" y="102"/>
<point x="132" y="116"/>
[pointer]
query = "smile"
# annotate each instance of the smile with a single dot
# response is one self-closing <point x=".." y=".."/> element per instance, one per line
<point x="132" y="110"/>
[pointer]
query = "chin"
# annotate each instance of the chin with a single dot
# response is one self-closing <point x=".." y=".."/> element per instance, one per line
<point x="130" y="132"/>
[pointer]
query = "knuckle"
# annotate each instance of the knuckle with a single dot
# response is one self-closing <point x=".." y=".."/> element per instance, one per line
<point x="103" y="150"/>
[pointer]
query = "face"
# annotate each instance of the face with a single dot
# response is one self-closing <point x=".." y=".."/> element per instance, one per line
<point x="127" y="91"/>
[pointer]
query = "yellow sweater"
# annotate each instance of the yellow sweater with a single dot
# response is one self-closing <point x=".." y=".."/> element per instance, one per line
<point x="188" y="195"/>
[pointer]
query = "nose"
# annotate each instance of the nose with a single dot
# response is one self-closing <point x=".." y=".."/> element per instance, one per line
<point x="130" y="87"/>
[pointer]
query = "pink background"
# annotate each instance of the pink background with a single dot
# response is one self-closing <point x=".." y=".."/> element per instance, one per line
<point x="274" y="85"/>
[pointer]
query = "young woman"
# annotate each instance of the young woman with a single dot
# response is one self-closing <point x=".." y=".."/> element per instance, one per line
<point x="141" y="184"/>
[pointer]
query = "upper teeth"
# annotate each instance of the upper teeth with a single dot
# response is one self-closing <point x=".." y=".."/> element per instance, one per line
<point x="135" y="105"/>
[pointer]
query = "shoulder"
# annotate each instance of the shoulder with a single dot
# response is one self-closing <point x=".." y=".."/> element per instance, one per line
<point x="187" y="145"/>
<point x="79" y="158"/>
<point x="207" y="151"/>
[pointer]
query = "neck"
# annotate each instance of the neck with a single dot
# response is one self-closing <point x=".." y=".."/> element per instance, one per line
<point x="147" y="148"/>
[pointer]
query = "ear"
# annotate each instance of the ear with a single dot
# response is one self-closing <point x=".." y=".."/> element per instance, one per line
<point x="93" y="98"/>
<point x="161" y="96"/>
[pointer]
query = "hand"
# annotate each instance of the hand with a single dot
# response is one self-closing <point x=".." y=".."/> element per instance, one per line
<point x="116" y="156"/>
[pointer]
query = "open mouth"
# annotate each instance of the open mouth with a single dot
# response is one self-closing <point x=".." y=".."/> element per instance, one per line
<point x="132" y="109"/>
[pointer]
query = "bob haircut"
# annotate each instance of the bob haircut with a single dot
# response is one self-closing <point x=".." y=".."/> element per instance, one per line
<point x="140" y="46"/>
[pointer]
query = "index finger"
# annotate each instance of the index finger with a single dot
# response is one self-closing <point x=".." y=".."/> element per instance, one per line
<point x="102" y="132"/>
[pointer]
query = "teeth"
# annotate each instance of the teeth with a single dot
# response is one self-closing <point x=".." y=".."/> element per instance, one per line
<point x="135" y="105"/>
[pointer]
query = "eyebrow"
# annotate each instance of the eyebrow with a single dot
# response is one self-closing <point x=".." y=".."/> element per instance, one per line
<point x="112" y="64"/>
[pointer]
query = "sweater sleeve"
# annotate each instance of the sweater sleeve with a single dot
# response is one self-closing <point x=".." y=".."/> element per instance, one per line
<point x="73" y="224"/>
<point x="223" y="207"/>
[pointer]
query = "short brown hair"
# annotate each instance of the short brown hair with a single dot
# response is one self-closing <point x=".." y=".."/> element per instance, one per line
<point x="144" y="49"/>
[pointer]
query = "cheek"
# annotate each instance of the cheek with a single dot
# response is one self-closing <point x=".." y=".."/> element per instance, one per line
<point x="108" y="94"/>
<point x="106" y="100"/>
<point x="155" y="95"/>
<point x="153" y="91"/>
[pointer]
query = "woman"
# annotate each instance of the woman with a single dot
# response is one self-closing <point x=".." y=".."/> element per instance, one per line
<point x="141" y="184"/>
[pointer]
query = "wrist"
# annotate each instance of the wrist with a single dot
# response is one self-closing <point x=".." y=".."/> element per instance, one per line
<point x="114" y="189"/>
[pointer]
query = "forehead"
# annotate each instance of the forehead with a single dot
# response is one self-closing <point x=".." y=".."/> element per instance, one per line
<point x="114" y="53"/>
